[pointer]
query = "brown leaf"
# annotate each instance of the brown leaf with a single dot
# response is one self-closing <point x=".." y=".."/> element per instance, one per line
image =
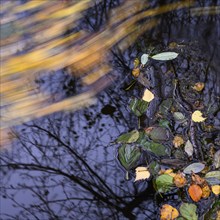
<point x="198" y="180"/>
<point x="179" y="180"/>
<point x="199" y="86"/>
<point x="168" y="212"/>
<point x="195" y="192"/>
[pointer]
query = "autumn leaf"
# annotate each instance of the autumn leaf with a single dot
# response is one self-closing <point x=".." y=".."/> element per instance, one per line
<point x="206" y="191"/>
<point x="195" y="192"/>
<point x="178" y="141"/>
<point x="148" y="95"/>
<point x="216" y="189"/>
<point x="199" y="86"/>
<point x="198" y="180"/>
<point x="136" y="72"/>
<point x="179" y="180"/>
<point x="168" y="212"/>
<point x="136" y="62"/>
<point x="142" y="173"/>
<point x="197" y="116"/>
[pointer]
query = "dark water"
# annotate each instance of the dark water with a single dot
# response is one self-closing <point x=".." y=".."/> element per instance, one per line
<point x="64" y="166"/>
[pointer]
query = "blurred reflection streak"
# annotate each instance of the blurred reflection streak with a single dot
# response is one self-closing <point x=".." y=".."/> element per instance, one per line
<point x="34" y="39"/>
<point x="211" y="10"/>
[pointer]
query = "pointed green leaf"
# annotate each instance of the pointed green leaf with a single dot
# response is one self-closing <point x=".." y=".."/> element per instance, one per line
<point x="188" y="211"/>
<point x="164" y="183"/>
<point x="138" y="106"/>
<point x="129" y="137"/>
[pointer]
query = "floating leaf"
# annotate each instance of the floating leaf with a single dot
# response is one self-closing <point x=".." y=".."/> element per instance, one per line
<point x="178" y="141"/>
<point x="213" y="174"/>
<point x="168" y="212"/>
<point x="142" y="173"/>
<point x="179" y="180"/>
<point x="144" y="59"/>
<point x="165" y="56"/>
<point x="136" y="72"/>
<point x="128" y="156"/>
<point x="148" y="95"/>
<point x="129" y="137"/>
<point x="197" y="116"/>
<point x="194" y="167"/>
<point x="157" y="133"/>
<point x="136" y="62"/>
<point x="195" y="192"/>
<point x="156" y="148"/>
<point x="138" y="106"/>
<point x="189" y="148"/>
<point x="199" y="86"/>
<point x="216" y="161"/>
<point x="216" y="189"/>
<point x="188" y="211"/>
<point x="206" y="191"/>
<point x="164" y="183"/>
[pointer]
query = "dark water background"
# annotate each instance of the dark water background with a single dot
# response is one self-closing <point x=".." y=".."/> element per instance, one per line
<point x="64" y="167"/>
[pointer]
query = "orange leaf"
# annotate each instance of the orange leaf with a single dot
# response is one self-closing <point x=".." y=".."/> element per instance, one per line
<point x="179" y="180"/>
<point x="168" y="212"/>
<point x="195" y="192"/>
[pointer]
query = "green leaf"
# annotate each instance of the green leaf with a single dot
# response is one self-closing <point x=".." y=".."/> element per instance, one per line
<point x="158" y="134"/>
<point x="129" y="137"/>
<point x="154" y="168"/>
<point x="179" y="116"/>
<point x="144" y="58"/>
<point x="188" y="211"/>
<point x="165" y="106"/>
<point x="213" y="174"/>
<point x="128" y="156"/>
<point x="164" y="123"/>
<point x="194" y="167"/>
<point x="138" y="106"/>
<point x="164" y="183"/>
<point x="165" y="56"/>
<point x="130" y="85"/>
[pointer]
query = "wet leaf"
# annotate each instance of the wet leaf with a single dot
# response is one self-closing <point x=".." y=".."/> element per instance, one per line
<point x="213" y="181"/>
<point x="213" y="174"/>
<point x="168" y="212"/>
<point x="142" y="173"/>
<point x="130" y="85"/>
<point x="194" y="167"/>
<point x="138" y="106"/>
<point x="199" y="86"/>
<point x="148" y="95"/>
<point x="128" y="156"/>
<point x="129" y="137"/>
<point x="196" y="179"/>
<point x="164" y="123"/>
<point x="154" y="168"/>
<point x="216" y="189"/>
<point x="195" y="192"/>
<point x="206" y="191"/>
<point x="179" y="116"/>
<point x="179" y="180"/>
<point x="178" y="141"/>
<point x="157" y="133"/>
<point x="164" y="183"/>
<point x="188" y="211"/>
<point x="144" y="59"/>
<point x="189" y="148"/>
<point x="216" y="161"/>
<point x="165" y="106"/>
<point x="136" y="62"/>
<point x="156" y="148"/>
<point x="197" y="116"/>
<point x="136" y="72"/>
<point x="165" y="56"/>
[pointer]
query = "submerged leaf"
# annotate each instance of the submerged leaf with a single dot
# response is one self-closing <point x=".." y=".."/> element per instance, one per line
<point x="178" y="141"/>
<point x="168" y="212"/>
<point x="136" y="62"/>
<point x="138" y="106"/>
<point x="179" y="116"/>
<point x="195" y="192"/>
<point x="128" y="156"/>
<point x="164" y="183"/>
<point x="129" y="137"/>
<point x="199" y="86"/>
<point x="148" y="96"/>
<point x="157" y="133"/>
<point x="142" y="173"/>
<point x="194" y="167"/>
<point x="144" y="59"/>
<point x="197" y="116"/>
<point x="189" y="148"/>
<point x="188" y="211"/>
<point x="213" y="174"/>
<point x="156" y="148"/>
<point x="216" y="161"/>
<point x="165" y="56"/>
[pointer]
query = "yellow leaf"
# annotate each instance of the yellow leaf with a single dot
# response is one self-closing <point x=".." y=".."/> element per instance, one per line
<point x="216" y="189"/>
<point x="168" y="212"/>
<point x="136" y="72"/>
<point x="142" y="173"/>
<point x="136" y="62"/>
<point x="197" y="116"/>
<point x="199" y="86"/>
<point x="179" y="180"/>
<point x="178" y="141"/>
<point x="148" y="96"/>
